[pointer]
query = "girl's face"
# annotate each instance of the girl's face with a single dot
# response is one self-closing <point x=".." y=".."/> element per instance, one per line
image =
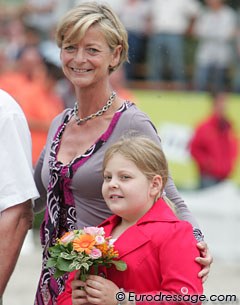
<point x="87" y="62"/>
<point x="126" y="190"/>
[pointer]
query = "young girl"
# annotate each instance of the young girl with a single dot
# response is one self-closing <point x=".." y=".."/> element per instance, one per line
<point x="159" y="249"/>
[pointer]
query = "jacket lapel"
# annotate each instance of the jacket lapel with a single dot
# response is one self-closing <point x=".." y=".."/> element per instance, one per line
<point x="135" y="237"/>
<point x="130" y="240"/>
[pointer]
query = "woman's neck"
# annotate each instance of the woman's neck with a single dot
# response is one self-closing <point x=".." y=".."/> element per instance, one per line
<point x="90" y="100"/>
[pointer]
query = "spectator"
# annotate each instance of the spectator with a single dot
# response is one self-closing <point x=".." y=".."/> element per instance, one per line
<point x="32" y="84"/>
<point x="17" y="186"/>
<point x="15" y="37"/>
<point x="236" y="77"/>
<point x="115" y="4"/>
<point x="215" y="31"/>
<point x="214" y="145"/>
<point x="170" y="20"/>
<point x="40" y="15"/>
<point x="137" y="32"/>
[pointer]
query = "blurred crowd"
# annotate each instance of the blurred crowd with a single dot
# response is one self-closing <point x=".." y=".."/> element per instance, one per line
<point x="194" y="44"/>
<point x="162" y="34"/>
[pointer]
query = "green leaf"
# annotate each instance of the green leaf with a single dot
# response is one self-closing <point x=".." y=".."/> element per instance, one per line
<point x="73" y="265"/>
<point x="63" y="265"/>
<point x="120" y="265"/>
<point x="83" y="266"/>
<point x="70" y="247"/>
<point x="58" y="273"/>
<point x="52" y="262"/>
<point x="68" y="256"/>
<point x="56" y="250"/>
<point x="86" y="265"/>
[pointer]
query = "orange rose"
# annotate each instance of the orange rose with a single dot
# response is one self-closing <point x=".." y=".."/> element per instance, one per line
<point x="84" y="243"/>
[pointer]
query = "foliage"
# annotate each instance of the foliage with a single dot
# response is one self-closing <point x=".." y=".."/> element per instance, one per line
<point x="83" y="250"/>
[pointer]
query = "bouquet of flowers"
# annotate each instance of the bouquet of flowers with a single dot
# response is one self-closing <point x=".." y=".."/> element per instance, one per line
<point x="82" y="249"/>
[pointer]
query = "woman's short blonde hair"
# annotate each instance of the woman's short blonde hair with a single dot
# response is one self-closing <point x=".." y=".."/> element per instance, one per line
<point x="144" y="153"/>
<point x="77" y="21"/>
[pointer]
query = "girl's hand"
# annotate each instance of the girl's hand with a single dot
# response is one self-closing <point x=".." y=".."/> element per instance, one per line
<point x="101" y="291"/>
<point x="79" y="295"/>
<point x="205" y="260"/>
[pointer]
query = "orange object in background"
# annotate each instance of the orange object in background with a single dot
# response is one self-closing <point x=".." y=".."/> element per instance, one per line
<point x="39" y="104"/>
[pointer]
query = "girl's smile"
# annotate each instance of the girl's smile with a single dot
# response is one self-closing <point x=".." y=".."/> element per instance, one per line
<point x="126" y="190"/>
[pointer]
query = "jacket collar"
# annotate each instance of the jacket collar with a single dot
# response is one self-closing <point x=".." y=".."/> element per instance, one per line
<point x="159" y="212"/>
<point x="136" y="235"/>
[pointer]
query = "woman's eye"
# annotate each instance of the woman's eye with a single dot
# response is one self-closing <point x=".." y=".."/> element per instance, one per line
<point x="69" y="48"/>
<point x="92" y="50"/>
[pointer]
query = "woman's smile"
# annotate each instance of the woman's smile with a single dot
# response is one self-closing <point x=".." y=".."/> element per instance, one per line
<point x="91" y="57"/>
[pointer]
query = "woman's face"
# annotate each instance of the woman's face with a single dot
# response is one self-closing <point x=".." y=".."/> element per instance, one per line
<point x="87" y="62"/>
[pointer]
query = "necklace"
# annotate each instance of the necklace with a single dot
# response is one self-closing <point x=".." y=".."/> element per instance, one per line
<point x="100" y="112"/>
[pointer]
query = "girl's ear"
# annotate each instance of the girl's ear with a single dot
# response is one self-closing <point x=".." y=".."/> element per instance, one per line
<point x="156" y="186"/>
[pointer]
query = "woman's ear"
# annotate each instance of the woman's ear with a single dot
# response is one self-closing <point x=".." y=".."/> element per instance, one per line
<point x="116" y="56"/>
<point x="156" y="186"/>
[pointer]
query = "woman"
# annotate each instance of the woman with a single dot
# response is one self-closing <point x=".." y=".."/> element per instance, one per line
<point x="93" y="44"/>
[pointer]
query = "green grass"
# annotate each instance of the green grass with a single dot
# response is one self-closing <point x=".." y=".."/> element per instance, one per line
<point x="186" y="108"/>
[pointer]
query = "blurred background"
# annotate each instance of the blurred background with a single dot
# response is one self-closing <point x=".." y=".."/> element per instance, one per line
<point x="183" y="71"/>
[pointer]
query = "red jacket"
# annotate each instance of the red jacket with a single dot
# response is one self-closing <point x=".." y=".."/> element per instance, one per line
<point x="159" y="251"/>
<point x="214" y="148"/>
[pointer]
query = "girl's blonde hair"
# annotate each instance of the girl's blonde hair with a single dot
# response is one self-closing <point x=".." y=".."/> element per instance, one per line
<point x="78" y="20"/>
<point x="144" y="153"/>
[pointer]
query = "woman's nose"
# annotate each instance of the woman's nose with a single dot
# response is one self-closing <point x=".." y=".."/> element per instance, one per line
<point x="80" y="55"/>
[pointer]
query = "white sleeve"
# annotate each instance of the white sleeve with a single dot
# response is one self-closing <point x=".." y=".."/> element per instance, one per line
<point x="16" y="174"/>
<point x="193" y="8"/>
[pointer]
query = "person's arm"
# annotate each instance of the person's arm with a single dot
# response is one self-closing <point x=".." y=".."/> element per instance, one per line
<point x="14" y="224"/>
<point x="178" y="267"/>
<point x="40" y="203"/>
<point x="17" y="186"/>
<point x="142" y="124"/>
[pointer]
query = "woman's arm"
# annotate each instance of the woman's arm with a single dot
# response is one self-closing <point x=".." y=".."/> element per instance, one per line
<point x="142" y="125"/>
<point x="40" y="203"/>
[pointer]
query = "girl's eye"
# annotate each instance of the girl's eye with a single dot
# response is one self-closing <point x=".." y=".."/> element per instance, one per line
<point x="107" y="178"/>
<point x="125" y="177"/>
